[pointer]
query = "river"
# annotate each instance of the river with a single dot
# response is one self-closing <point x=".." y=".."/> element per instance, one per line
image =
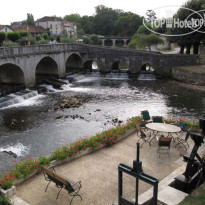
<point x="31" y="124"/>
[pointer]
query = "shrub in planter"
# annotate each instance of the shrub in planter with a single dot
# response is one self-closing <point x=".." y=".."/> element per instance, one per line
<point x="4" y="201"/>
<point x="7" y="181"/>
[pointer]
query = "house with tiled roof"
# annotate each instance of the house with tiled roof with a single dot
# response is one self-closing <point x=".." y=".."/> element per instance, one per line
<point x="33" y="30"/>
<point x="6" y="28"/>
<point x="56" y="26"/>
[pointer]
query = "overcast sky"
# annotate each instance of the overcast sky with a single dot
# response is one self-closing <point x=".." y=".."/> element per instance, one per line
<point x="16" y="10"/>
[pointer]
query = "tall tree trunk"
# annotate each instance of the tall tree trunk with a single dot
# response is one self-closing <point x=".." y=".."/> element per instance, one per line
<point x="181" y="49"/>
<point x="188" y="48"/>
<point x="196" y="47"/>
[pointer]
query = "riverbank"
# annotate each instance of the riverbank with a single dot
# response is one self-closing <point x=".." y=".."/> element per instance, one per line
<point x="190" y="74"/>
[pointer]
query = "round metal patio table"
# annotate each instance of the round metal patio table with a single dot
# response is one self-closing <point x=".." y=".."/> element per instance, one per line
<point x="163" y="127"/>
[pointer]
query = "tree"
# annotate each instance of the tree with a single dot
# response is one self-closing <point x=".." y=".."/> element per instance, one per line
<point x="127" y="24"/>
<point x="142" y="40"/>
<point x="150" y="16"/>
<point x="45" y="36"/>
<point x="143" y="30"/>
<point x="104" y="20"/>
<point x="2" y="37"/>
<point x="24" y="33"/>
<point x="87" y="24"/>
<point x="192" y="39"/>
<point x="87" y="40"/>
<point x="72" y="18"/>
<point x="29" y="21"/>
<point x="95" y="39"/>
<point x="14" y="36"/>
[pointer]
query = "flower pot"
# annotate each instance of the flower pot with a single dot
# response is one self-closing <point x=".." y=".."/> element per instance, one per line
<point x="9" y="192"/>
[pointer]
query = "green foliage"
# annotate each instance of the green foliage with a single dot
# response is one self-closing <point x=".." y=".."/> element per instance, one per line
<point x="42" y="41"/>
<point x="7" y="181"/>
<point x="67" y="40"/>
<point x="87" y="40"/>
<point x="141" y="41"/>
<point x="29" y="21"/>
<point x="150" y="16"/>
<point x="10" y="44"/>
<point x="72" y="18"/>
<point x="38" y="37"/>
<point x="104" y="20"/>
<point x="127" y="24"/>
<point x="95" y="39"/>
<point x="13" y="36"/>
<point x="32" y="40"/>
<point x="143" y="30"/>
<point x="193" y="38"/>
<point x="24" y="33"/>
<point x="45" y="36"/>
<point x="4" y="201"/>
<point x="2" y="37"/>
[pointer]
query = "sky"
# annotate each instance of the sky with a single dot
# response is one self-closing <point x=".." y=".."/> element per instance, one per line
<point x="14" y="10"/>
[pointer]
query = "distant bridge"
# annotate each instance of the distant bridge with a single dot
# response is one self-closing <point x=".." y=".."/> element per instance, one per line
<point x="115" y="41"/>
<point x="27" y="65"/>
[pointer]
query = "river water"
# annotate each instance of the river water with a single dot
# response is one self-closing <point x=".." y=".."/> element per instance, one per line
<point x="31" y="124"/>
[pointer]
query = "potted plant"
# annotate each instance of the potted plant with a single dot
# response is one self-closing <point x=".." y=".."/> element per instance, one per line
<point x="7" y="187"/>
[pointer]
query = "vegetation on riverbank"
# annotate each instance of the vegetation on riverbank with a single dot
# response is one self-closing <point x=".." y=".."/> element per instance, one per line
<point x="108" y="137"/>
<point x="197" y="197"/>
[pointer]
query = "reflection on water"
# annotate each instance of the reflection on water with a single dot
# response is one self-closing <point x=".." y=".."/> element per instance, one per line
<point x="40" y="127"/>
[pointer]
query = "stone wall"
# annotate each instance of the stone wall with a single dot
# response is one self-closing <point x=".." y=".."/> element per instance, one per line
<point x="188" y="76"/>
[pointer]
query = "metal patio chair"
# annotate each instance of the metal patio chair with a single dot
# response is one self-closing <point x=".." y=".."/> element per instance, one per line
<point x="183" y="141"/>
<point x="164" y="144"/>
<point x="144" y="136"/>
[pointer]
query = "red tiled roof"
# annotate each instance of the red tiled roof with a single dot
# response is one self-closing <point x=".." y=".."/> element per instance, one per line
<point x="49" y="18"/>
<point x="31" y="29"/>
<point x="3" y="26"/>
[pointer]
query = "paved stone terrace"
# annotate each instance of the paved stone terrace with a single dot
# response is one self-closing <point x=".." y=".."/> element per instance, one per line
<point x="99" y="174"/>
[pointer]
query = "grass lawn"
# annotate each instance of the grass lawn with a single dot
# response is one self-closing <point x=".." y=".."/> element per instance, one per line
<point x="197" y="197"/>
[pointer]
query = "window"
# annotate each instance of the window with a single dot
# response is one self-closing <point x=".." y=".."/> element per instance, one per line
<point x="6" y="30"/>
<point x="51" y="26"/>
<point x="56" y="26"/>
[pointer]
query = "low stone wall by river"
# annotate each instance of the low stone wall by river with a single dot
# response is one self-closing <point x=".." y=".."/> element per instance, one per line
<point x="188" y="76"/>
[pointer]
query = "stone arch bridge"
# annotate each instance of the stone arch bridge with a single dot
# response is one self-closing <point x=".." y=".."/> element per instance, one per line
<point x="26" y="65"/>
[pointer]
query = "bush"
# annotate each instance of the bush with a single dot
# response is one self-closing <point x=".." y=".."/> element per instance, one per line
<point x="43" y="41"/>
<point x="87" y="40"/>
<point x="13" y="36"/>
<point x="24" y="33"/>
<point x="7" y="181"/>
<point x="4" y="201"/>
<point x="45" y="36"/>
<point x="2" y="37"/>
<point x="67" y="40"/>
<point x="10" y="44"/>
<point x="38" y="37"/>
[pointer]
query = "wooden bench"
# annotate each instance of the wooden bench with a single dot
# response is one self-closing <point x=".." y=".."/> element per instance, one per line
<point x="61" y="182"/>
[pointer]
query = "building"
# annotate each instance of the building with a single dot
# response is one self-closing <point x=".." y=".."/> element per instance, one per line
<point x="6" y="28"/>
<point x="33" y="30"/>
<point x="57" y="26"/>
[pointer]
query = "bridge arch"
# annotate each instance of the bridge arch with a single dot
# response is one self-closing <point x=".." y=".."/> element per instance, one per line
<point x="47" y="66"/>
<point x="121" y="66"/>
<point x="88" y="64"/>
<point x="11" y="74"/>
<point x="119" y="43"/>
<point x="147" y="68"/>
<point x="73" y="62"/>
<point x="108" y="42"/>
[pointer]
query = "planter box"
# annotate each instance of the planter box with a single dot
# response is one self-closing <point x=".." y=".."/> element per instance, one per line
<point x="21" y="180"/>
<point x="9" y="192"/>
<point x="84" y="152"/>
